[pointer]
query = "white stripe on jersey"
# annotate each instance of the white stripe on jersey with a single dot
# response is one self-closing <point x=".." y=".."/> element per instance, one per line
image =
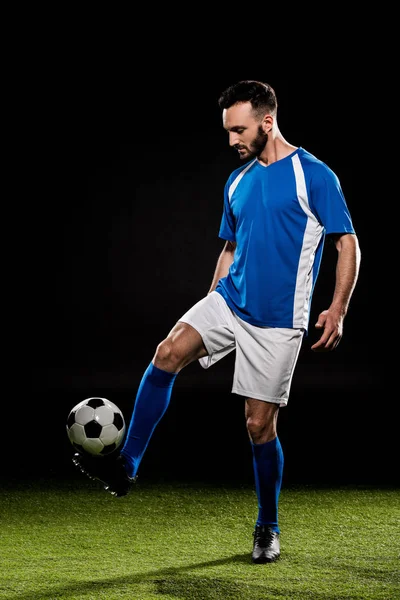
<point x="235" y="183"/>
<point x="312" y="236"/>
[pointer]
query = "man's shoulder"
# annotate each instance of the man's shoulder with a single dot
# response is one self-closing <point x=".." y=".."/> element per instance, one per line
<point x="314" y="166"/>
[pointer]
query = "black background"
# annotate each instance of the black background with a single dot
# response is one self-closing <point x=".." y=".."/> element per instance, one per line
<point x="127" y="191"/>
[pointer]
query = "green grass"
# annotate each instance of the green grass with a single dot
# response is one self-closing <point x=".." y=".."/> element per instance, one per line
<point x="72" y="541"/>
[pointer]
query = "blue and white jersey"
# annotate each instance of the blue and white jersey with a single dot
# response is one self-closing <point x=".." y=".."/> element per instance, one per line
<point x="279" y="216"/>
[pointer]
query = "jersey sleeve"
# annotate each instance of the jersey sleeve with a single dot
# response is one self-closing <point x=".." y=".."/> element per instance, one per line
<point x="227" y="227"/>
<point x="329" y="204"/>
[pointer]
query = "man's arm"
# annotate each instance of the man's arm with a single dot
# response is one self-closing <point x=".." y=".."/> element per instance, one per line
<point x="347" y="269"/>
<point x="224" y="262"/>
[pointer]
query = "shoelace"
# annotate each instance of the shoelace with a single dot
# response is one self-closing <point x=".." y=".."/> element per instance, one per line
<point x="263" y="536"/>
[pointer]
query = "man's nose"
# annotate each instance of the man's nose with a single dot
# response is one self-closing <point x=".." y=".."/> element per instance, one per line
<point x="233" y="138"/>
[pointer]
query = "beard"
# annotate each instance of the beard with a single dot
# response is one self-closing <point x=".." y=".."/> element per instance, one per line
<point x="256" y="146"/>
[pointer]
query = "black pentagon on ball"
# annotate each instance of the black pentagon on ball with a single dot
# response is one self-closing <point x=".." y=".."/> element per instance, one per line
<point x="93" y="429"/>
<point x="95" y="402"/>
<point x="118" y="421"/>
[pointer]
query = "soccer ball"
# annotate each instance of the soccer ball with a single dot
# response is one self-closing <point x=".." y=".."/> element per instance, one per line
<point x="96" y="426"/>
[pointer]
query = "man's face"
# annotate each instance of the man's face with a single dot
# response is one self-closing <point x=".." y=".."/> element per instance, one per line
<point x="245" y="132"/>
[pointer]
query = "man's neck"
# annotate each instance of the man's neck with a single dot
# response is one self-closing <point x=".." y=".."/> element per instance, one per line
<point x="275" y="150"/>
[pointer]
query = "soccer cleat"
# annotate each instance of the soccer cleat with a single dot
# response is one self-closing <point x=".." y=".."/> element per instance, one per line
<point x="266" y="546"/>
<point x="108" y="470"/>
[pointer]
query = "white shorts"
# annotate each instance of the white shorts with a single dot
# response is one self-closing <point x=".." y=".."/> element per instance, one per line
<point x="265" y="356"/>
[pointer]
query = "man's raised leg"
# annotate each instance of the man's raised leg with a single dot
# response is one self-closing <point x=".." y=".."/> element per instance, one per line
<point x="182" y="346"/>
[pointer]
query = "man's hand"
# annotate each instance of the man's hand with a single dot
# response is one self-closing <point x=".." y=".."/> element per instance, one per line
<point x="331" y="322"/>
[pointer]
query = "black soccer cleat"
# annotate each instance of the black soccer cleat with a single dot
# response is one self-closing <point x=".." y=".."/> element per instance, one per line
<point x="266" y="546"/>
<point x="110" y="471"/>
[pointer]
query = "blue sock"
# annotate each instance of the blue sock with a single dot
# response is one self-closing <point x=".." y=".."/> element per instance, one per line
<point x="152" y="401"/>
<point x="268" y="469"/>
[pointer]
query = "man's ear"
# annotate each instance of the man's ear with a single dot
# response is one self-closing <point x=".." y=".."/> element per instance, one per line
<point x="267" y="123"/>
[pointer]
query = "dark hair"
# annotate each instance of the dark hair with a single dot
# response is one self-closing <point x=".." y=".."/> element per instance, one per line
<point x="261" y="96"/>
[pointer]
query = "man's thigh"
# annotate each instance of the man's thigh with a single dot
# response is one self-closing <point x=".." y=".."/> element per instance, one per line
<point x="266" y="358"/>
<point x="213" y="320"/>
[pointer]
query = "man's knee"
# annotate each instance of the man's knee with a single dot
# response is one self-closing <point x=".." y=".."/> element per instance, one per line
<point x="261" y="420"/>
<point x="166" y="355"/>
<point x="182" y="346"/>
<point x="259" y="429"/>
